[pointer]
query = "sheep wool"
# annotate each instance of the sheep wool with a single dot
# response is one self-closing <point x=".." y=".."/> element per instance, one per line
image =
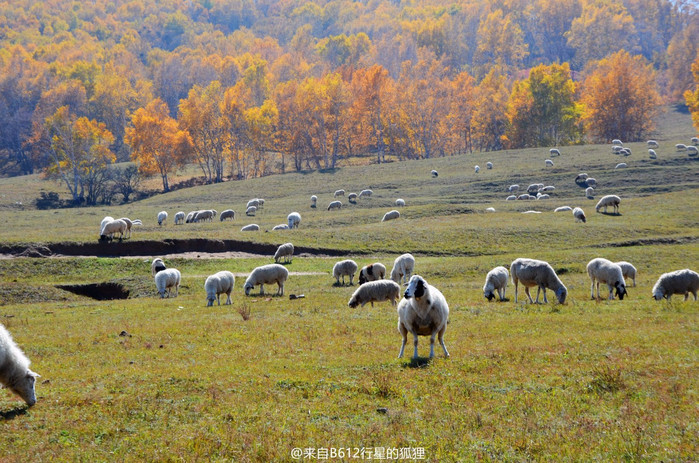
<point x="579" y="215"/>
<point x="496" y="280"/>
<point x="375" y="291"/>
<point x="403" y="268"/>
<point x="294" y="219"/>
<point x="390" y="215"/>
<point x="423" y="311"/>
<point x="251" y="227"/>
<point x="217" y="284"/>
<point x="678" y="282"/>
<point x="179" y="218"/>
<point x="334" y="205"/>
<point x="601" y="270"/>
<point x="372" y="272"/>
<point x="227" y="214"/>
<point x="628" y="270"/>
<point x="157" y="266"/>
<point x="14" y="369"/>
<point x="267" y="275"/>
<point x="284" y="251"/>
<point x="162" y="217"/>
<point x="609" y="200"/>
<point x="344" y="267"/>
<point x="166" y="280"/>
<point x="532" y="272"/>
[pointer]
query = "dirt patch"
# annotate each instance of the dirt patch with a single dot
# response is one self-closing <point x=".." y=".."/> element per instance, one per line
<point x="649" y="241"/>
<point x="99" y="291"/>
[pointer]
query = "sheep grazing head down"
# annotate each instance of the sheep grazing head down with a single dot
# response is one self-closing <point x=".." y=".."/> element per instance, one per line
<point x="248" y="287"/>
<point x="23" y="386"/>
<point x="490" y="295"/>
<point x="620" y="290"/>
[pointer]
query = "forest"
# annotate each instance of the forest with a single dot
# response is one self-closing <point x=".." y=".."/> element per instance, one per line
<point x="244" y="88"/>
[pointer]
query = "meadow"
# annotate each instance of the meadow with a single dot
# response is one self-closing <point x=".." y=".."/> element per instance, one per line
<point x="149" y="379"/>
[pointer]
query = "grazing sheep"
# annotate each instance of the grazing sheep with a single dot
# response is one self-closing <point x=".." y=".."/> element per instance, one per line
<point x="250" y="211"/>
<point x="390" y="215"/>
<point x="581" y="177"/>
<point x="547" y="189"/>
<point x="372" y="272"/>
<point x="167" y="279"/>
<point x="692" y="151"/>
<point x="400" y="202"/>
<point x="526" y="197"/>
<point x="435" y="173"/>
<point x="488" y="165"/>
<point x="531" y="212"/>
<point x="652" y="154"/>
<point x="512" y="188"/>
<point x="375" y="291"/>
<point x="554" y="152"/>
<point x="616" y="141"/>
<point x="423" y="311"/>
<point x="130" y="223"/>
<point x="563" y="209"/>
<point x="591" y="182"/>
<point x="110" y="228"/>
<point x="496" y="279"/>
<point x="477" y="168"/>
<point x="284" y="251"/>
<point x="344" y="267"/>
<point x="162" y="217"/>
<point x="339" y="193"/>
<point x="253" y="203"/>
<point x="680" y="147"/>
<point x="217" y="284"/>
<point x="695" y="141"/>
<point x="579" y="215"/>
<point x="511" y="198"/>
<point x="190" y="217"/>
<point x="334" y="205"/>
<point x="157" y="266"/>
<point x="227" y="214"/>
<point x="207" y="215"/>
<point x="678" y="282"/>
<point x="366" y="193"/>
<point x="266" y="275"/>
<point x="590" y="192"/>
<point x="628" y="270"/>
<point x="179" y="218"/>
<point x="534" y="188"/>
<point x="617" y="149"/>
<point x="251" y="227"/>
<point x="626" y="151"/>
<point x="621" y="165"/>
<point x="549" y="163"/>
<point x="542" y="196"/>
<point x="532" y="272"/>
<point x="403" y="268"/>
<point x="294" y="219"/>
<point x="652" y="144"/>
<point x="281" y="226"/>
<point x="14" y="369"/>
<point x="352" y="198"/>
<point x="601" y="270"/>
<point x="314" y="201"/>
<point x="261" y="203"/>
<point x="106" y="220"/>
<point x="609" y="200"/>
<point x="489" y="209"/>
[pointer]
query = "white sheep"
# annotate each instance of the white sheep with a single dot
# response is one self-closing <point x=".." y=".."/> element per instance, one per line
<point x="162" y="217"/>
<point x="179" y="218"/>
<point x="513" y="188"/>
<point x="628" y="270"/>
<point x="626" y="151"/>
<point x="375" y="291"/>
<point x="281" y="226"/>
<point x="434" y="173"/>
<point x="695" y="141"/>
<point x="496" y="279"/>
<point x="403" y="268"/>
<point x="365" y="193"/>
<point x="531" y="212"/>
<point x="591" y="182"/>
<point x="590" y="192"/>
<point x="206" y="215"/>
<point x="227" y="214"/>
<point x="525" y="197"/>
<point x="190" y="217"/>
<point x="284" y="251"/>
<point x="217" y="284"/>
<point x="542" y="196"/>
<point x="477" y="168"/>
<point x="157" y="266"/>
<point x="253" y="203"/>
<point x="250" y="211"/>
<point x="106" y="220"/>
<point x="601" y="270"/>
<point x="532" y="272"/>
<point x="678" y="282"/>
<point x="400" y="202"/>
<point x="335" y="205"/>
<point x="563" y="209"/>
<point x="423" y="311"/>
<point x="391" y="215"/>
<point x="581" y="177"/>
<point x="488" y="165"/>
<point x="261" y="203"/>
<point x="549" y="163"/>
<point x="617" y="149"/>
<point x="489" y="209"/>
<point x="609" y="200"/>
<point x="652" y="144"/>
<point x="547" y="189"/>
<point x="294" y="219"/>
<point x="511" y="198"/>
<point x="266" y="275"/>
<point x="111" y="228"/>
<point x="621" y="165"/>
<point x="344" y="267"/>
<point x="352" y="198"/>
<point x="579" y="215"/>
<point x="314" y="201"/>
<point x="14" y="369"/>
<point x="250" y="227"/>
<point x="692" y="151"/>
<point x="130" y="223"/>
<point x="652" y="154"/>
<point x="534" y="188"/>
<point x="167" y="279"/>
<point x="554" y="152"/>
<point x="616" y="141"/>
<point x="372" y="272"/>
<point x="338" y="193"/>
<point x="680" y="147"/>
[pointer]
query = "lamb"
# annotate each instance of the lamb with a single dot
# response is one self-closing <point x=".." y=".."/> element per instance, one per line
<point x="294" y="219"/>
<point x="227" y="214"/>
<point x="130" y="223"/>
<point x="284" y="251"/>
<point x="372" y="272"/>
<point x="157" y="266"/>
<point x="434" y="173"/>
<point x="628" y="270"/>
<point x="590" y="192"/>
<point x="554" y="152"/>
<point x="496" y="279"/>
<point x="110" y="228"/>
<point x="251" y="227"/>
<point x="217" y="284"/>
<point x="678" y="282"/>
<point x="266" y="275"/>
<point x="390" y="215"/>
<point x="652" y="154"/>
<point x="281" y="226"/>
<point x="423" y="311"/>
<point x="167" y="279"/>
<point x="532" y="272"/>
<point x="250" y="211"/>
<point x="403" y="268"/>
<point x="314" y="201"/>
<point x="352" y="197"/>
<point x="621" y="165"/>
<point x="162" y="217"/>
<point x="339" y="193"/>
<point x="512" y="188"/>
<point x="549" y="163"/>
<point x="563" y="209"/>
<point x="179" y="218"/>
<point x="601" y="270"/>
<point x="579" y="215"/>
<point x="609" y="200"/>
<point x="334" y="205"/>
<point x="14" y="369"/>
<point x="366" y="193"/>
<point x="344" y="267"/>
<point x="488" y="165"/>
<point x="477" y="168"/>
<point x="375" y="291"/>
<point x="400" y="202"/>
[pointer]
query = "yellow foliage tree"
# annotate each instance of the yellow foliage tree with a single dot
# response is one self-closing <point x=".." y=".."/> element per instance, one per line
<point x="692" y="97"/>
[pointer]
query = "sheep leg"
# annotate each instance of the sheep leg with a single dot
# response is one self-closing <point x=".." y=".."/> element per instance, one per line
<point x="228" y="300"/>
<point x="526" y="291"/>
<point x="432" y="344"/>
<point x="415" y="345"/>
<point x="441" y="341"/>
<point x="280" y="291"/>
<point x="262" y="289"/>
<point x="515" y="282"/>
<point x="403" y="333"/>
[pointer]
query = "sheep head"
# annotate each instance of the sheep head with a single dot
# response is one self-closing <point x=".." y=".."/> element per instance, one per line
<point x="23" y="386"/>
<point x="489" y="295"/>
<point x="416" y="287"/>
<point x="620" y="290"/>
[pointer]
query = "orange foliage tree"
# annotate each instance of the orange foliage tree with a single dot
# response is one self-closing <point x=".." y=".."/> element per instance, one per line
<point x="692" y="97"/>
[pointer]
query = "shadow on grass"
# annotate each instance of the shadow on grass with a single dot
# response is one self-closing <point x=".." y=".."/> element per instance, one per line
<point x="340" y="285"/>
<point x="420" y="362"/>
<point x="614" y="214"/>
<point x="12" y="414"/>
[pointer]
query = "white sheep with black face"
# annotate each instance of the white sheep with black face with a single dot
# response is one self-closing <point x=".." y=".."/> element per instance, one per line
<point x="157" y="266"/>
<point x="14" y="369"/>
<point x="601" y="270"/>
<point x="423" y="311"/>
<point x="496" y="280"/>
<point x="372" y="272"/>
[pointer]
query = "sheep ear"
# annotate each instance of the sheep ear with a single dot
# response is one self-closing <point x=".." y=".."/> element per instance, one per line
<point x="34" y="374"/>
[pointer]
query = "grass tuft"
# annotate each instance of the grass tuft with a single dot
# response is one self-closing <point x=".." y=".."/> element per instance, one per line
<point x="606" y="378"/>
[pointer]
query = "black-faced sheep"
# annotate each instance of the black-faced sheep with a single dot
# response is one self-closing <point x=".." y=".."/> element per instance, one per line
<point x="609" y="200"/>
<point x="423" y="311"/>
<point x="352" y="198"/>
<point x="375" y="291"/>
<point x="294" y="219"/>
<point x="601" y="270"/>
<point x="267" y="275"/>
<point x="434" y="173"/>
<point x="496" y="279"/>
<point x="488" y="165"/>
<point x="14" y="369"/>
<point x="579" y="215"/>
<point x="403" y="268"/>
<point x="167" y="279"/>
<point x="344" y="267"/>
<point x="678" y="282"/>
<point x="284" y="251"/>
<point x="157" y="266"/>
<point x="532" y="272"/>
<point x="217" y="284"/>
<point x="372" y="272"/>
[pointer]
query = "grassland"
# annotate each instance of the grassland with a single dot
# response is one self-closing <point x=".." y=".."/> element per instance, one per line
<point x="145" y="379"/>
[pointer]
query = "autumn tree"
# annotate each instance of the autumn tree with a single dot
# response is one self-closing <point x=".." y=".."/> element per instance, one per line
<point x="158" y="145"/>
<point x="682" y="47"/>
<point x="620" y="98"/>
<point x="692" y="96"/>
<point x="489" y="118"/>
<point x="462" y="109"/>
<point x="371" y="88"/>
<point x="500" y="44"/>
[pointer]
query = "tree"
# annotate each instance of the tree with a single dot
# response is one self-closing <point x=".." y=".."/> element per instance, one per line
<point x="692" y="97"/>
<point x="682" y="47"/>
<point x="489" y="119"/>
<point x="500" y="44"/>
<point x="371" y="88"/>
<point x="462" y="110"/>
<point x="158" y="144"/>
<point x="126" y="181"/>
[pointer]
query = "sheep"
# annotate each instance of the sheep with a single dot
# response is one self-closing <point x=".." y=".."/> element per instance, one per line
<point x="157" y="266"/>
<point x="261" y="203"/>
<point x="434" y="173"/>
<point x="110" y="228"/>
<point x="617" y="149"/>
<point x="352" y="198"/>
<point x="695" y="141"/>
<point x="563" y="209"/>
<point x="601" y="270"/>
<point x="591" y="181"/>
<point x="496" y="279"/>
<point x="626" y="151"/>
<point x="206" y="215"/>
<point x="14" y="369"/>
<point x="554" y="152"/>
<point x="512" y="188"/>
<point x="549" y="163"/>
<point x="217" y="284"/>
<point x="547" y="189"/>
<point x="179" y="218"/>
<point x="266" y="275"/>
<point x="366" y="193"/>
<point x="692" y="151"/>
<point x="250" y="227"/>
<point x="390" y="215"/>
<point x="621" y="165"/>
<point x="581" y="177"/>
<point x="680" y="147"/>
<point x="335" y="205"/>
<point x="477" y="168"/>
<point x="400" y="202"/>
<point x="250" y="211"/>
<point x="167" y="279"/>
<point x="294" y="219"/>
<point x="403" y="268"/>
<point x="534" y="187"/>
<point x="511" y="198"/>
<point x="314" y="201"/>
<point x="423" y="311"/>
<point x="284" y="251"/>
<point x="162" y="217"/>
<point x="678" y="282"/>
<point x="105" y="221"/>
<point x="489" y="209"/>
<point x="652" y="144"/>
<point x="628" y="270"/>
<point x="344" y="267"/>
<point x="616" y="141"/>
<point x="190" y="217"/>
<point x="227" y="214"/>
<point x="253" y="203"/>
<point x="281" y="226"/>
<point x="372" y="272"/>
<point x="609" y="200"/>
<point x="579" y="215"/>
<point x="542" y="196"/>
<point x="652" y="154"/>
<point x="488" y="165"/>
<point x="532" y="272"/>
<point x="525" y="197"/>
<point x="590" y="192"/>
<point x="339" y="193"/>
<point x="130" y="223"/>
<point x="531" y="212"/>
<point x="375" y="291"/>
